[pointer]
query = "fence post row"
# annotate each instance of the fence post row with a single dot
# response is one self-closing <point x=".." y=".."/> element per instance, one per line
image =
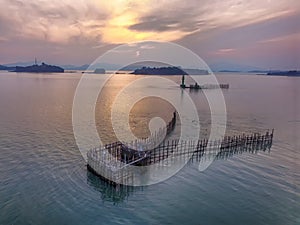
<point x="106" y="160"/>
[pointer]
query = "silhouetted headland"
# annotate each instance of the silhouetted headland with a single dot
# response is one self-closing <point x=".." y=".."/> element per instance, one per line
<point x="43" y="68"/>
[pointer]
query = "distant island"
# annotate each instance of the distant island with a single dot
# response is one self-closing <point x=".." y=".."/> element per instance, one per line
<point x="43" y="68"/>
<point x="99" y="71"/>
<point x="159" y="71"/>
<point x="291" y="73"/>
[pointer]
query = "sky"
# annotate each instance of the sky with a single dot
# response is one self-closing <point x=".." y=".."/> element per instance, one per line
<point x="260" y="33"/>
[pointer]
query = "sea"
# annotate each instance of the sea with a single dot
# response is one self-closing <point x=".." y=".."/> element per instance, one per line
<point x="44" y="178"/>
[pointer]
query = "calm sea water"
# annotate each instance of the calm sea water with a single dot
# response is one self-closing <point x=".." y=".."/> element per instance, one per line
<point x="44" y="179"/>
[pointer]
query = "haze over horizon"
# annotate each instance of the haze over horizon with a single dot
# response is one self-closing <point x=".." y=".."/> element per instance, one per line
<point x="264" y="34"/>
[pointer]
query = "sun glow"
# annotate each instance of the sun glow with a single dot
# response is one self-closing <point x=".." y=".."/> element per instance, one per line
<point x="124" y="14"/>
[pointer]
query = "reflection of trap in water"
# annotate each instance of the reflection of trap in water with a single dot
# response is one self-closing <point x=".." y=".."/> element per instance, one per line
<point x="109" y="192"/>
<point x="117" y="162"/>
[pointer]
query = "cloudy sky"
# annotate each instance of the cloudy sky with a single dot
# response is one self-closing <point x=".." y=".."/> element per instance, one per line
<point x="262" y="33"/>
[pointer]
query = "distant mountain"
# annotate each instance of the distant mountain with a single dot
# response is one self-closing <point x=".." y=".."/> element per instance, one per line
<point x="229" y="71"/>
<point x="232" y="67"/>
<point x="225" y="66"/>
<point x="73" y="67"/>
<point x="99" y="71"/>
<point x="196" y="71"/>
<point x="29" y="63"/>
<point x="106" y="66"/>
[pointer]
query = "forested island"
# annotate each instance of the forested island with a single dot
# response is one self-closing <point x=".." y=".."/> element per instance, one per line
<point x="43" y="68"/>
<point x="159" y="71"/>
